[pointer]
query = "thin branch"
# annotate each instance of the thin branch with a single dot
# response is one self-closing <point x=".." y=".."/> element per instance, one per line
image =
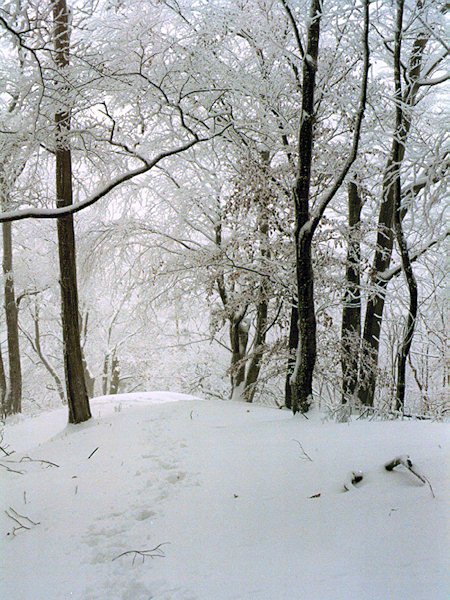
<point x="294" y="27"/>
<point x="311" y="225"/>
<point x="155" y="552"/>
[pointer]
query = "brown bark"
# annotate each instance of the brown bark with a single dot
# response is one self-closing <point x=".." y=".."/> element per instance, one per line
<point x="3" y="406"/>
<point x="14" y="391"/>
<point x="351" y="312"/>
<point x="77" y="397"/>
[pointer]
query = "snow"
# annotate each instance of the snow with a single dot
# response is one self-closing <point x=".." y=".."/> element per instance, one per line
<point x="227" y="489"/>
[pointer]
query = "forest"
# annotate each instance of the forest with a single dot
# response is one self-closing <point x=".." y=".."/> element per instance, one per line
<point x="229" y="198"/>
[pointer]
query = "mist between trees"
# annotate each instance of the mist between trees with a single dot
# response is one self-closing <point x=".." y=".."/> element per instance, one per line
<point x="240" y="199"/>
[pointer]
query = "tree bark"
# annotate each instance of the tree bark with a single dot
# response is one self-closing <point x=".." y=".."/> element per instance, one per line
<point x="301" y="380"/>
<point x="254" y="366"/>
<point x="3" y="388"/>
<point x="14" y="390"/>
<point x="238" y="340"/>
<point x="351" y="312"/>
<point x="77" y="397"/>
<point x="405" y="345"/>
<point x="262" y="308"/>
<point x="385" y="230"/>
<point x="292" y="348"/>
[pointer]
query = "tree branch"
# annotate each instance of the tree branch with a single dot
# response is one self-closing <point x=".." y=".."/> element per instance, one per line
<point x="55" y="213"/>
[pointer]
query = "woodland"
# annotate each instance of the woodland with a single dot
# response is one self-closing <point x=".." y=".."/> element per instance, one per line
<point x="229" y="198"/>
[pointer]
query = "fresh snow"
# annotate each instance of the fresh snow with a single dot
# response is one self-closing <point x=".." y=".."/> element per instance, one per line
<point x="228" y="489"/>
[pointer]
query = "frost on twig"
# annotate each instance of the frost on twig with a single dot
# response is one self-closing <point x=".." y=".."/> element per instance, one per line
<point x="22" y="522"/>
<point x="155" y="552"/>
<point x="406" y="462"/>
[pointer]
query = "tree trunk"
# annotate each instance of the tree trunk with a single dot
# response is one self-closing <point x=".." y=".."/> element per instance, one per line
<point x="293" y="345"/>
<point x="36" y="345"/>
<point x="77" y="397"/>
<point x="3" y="388"/>
<point x="385" y="235"/>
<point x="351" y="312"/>
<point x="254" y="366"/>
<point x="239" y="339"/>
<point x="301" y="380"/>
<point x="14" y="393"/>
<point x="405" y="345"/>
<point x="115" y="375"/>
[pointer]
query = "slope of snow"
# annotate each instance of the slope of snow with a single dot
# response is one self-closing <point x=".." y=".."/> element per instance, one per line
<point x="227" y="490"/>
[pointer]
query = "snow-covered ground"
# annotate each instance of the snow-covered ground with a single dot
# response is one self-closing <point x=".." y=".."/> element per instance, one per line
<point x="228" y="491"/>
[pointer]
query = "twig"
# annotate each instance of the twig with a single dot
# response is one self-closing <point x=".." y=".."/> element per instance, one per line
<point x="22" y="521"/>
<point x="155" y="552"/>
<point x="93" y="452"/>
<point x="305" y="454"/>
<point x="39" y="460"/>
<point x="11" y="470"/>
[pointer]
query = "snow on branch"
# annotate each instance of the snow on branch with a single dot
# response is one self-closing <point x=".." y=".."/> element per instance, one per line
<point x="54" y="213"/>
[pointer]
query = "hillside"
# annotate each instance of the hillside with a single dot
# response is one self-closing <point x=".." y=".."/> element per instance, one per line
<point x="240" y="502"/>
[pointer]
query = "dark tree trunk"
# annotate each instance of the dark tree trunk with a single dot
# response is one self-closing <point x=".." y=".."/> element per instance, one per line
<point x="301" y="379"/>
<point x="77" y="397"/>
<point x="405" y="345"/>
<point x="14" y="393"/>
<point x="385" y="235"/>
<point x="3" y="389"/>
<point x="351" y="312"/>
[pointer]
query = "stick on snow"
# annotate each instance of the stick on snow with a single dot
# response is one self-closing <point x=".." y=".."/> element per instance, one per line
<point x="405" y="460"/>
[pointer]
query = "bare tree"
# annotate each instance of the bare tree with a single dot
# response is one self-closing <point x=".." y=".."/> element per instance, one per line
<point x="77" y="397"/>
<point x="307" y="223"/>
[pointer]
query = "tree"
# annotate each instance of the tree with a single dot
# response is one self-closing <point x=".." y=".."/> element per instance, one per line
<point x="351" y="311"/>
<point x="306" y="223"/>
<point x="416" y="80"/>
<point x="77" y="398"/>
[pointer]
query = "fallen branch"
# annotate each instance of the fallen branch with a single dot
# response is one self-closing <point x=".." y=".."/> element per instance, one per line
<point x="155" y="552"/>
<point x="22" y="521"/>
<point x="11" y="470"/>
<point x="406" y="462"/>
<point x="38" y="460"/>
